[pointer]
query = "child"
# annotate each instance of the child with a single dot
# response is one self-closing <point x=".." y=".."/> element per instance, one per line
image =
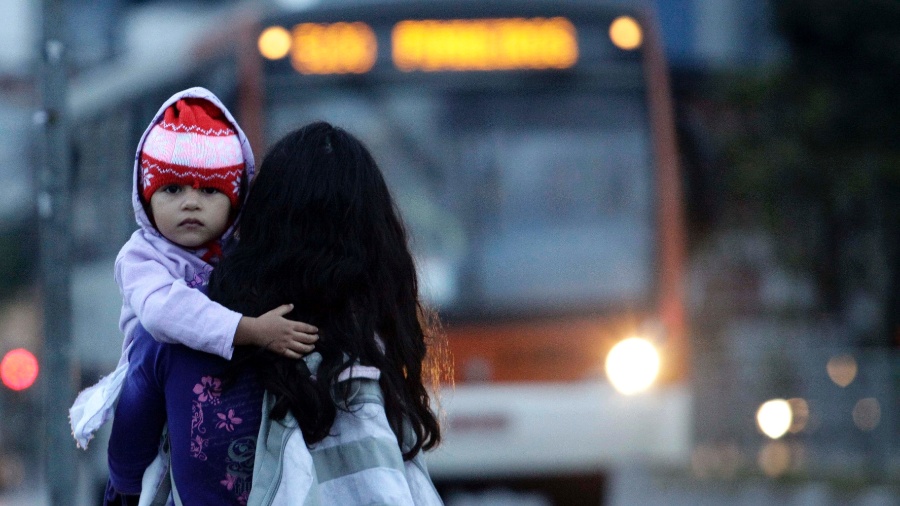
<point x="192" y="170"/>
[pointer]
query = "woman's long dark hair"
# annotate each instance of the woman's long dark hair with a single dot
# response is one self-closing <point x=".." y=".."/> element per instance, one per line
<point x="320" y="230"/>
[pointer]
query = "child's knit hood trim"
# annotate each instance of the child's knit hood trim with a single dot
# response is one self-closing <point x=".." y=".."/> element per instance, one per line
<point x="249" y="171"/>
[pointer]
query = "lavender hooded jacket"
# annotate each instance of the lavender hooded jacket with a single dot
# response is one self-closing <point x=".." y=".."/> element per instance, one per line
<point x="159" y="283"/>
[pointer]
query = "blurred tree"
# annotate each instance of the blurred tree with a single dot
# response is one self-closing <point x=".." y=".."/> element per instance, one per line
<point x="812" y="148"/>
<point x="843" y="90"/>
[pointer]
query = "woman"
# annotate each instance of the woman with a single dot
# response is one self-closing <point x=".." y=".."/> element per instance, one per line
<point x="319" y="230"/>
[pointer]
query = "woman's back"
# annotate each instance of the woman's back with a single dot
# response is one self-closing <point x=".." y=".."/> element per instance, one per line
<point x="320" y="230"/>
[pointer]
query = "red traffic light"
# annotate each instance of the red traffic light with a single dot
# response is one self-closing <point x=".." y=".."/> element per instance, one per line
<point x="18" y="369"/>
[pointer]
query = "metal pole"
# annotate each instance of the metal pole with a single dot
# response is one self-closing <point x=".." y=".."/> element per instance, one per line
<point x="54" y="211"/>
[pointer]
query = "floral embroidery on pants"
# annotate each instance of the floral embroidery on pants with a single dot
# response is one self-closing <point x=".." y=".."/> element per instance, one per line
<point x="207" y="392"/>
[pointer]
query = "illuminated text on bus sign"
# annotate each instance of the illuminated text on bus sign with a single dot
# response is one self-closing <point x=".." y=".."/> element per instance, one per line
<point x="484" y="44"/>
<point x="335" y="48"/>
<point x="427" y="45"/>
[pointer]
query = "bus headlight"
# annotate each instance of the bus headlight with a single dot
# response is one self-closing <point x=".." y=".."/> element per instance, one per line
<point x="632" y="365"/>
<point x="774" y="418"/>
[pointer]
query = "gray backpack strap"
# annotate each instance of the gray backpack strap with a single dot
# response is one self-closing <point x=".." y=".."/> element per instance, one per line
<point x="166" y="485"/>
<point x="161" y="497"/>
<point x="175" y="498"/>
<point x="268" y="466"/>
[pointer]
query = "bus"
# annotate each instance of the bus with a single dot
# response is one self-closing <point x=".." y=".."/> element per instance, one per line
<point x="531" y="149"/>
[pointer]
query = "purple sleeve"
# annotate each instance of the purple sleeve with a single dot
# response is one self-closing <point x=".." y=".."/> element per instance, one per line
<point x="169" y="309"/>
<point x="140" y="416"/>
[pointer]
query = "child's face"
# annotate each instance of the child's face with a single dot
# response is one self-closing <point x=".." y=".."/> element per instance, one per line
<point x="188" y="216"/>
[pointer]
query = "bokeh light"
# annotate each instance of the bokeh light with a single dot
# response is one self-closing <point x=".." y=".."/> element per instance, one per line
<point x="842" y="370"/>
<point x="626" y="33"/>
<point x="632" y="365"/>
<point x="274" y="42"/>
<point x="18" y="369"/>
<point x="774" y="458"/>
<point x="774" y="418"/>
<point x="867" y="414"/>
<point x="722" y="460"/>
<point x="799" y="414"/>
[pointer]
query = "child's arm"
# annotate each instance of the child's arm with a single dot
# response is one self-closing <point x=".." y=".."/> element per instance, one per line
<point x="275" y="332"/>
<point x="172" y="312"/>
<point x="168" y="309"/>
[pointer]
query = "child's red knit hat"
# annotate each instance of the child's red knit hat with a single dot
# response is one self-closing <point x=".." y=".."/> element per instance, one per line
<point x="195" y="145"/>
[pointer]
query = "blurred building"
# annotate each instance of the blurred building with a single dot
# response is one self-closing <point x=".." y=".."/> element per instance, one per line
<point x="18" y="40"/>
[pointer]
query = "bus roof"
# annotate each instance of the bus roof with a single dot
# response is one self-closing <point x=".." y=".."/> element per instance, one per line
<point x="406" y="8"/>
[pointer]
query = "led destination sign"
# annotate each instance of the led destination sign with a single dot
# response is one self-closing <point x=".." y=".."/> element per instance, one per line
<point x="484" y="44"/>
<point x="336" y="48"/>
<point x="431" y="45"/>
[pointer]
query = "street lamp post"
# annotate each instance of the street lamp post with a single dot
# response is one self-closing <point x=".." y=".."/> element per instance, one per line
<point x="54" y="212"/>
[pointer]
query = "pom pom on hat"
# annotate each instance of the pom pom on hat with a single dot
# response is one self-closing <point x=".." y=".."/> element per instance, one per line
<point x="194" y="145"/>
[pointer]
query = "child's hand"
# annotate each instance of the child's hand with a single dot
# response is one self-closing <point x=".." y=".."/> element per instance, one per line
<point x="276" y="333"/>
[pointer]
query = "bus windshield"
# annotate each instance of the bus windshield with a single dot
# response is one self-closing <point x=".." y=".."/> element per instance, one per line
<point x="517" y="202"/>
